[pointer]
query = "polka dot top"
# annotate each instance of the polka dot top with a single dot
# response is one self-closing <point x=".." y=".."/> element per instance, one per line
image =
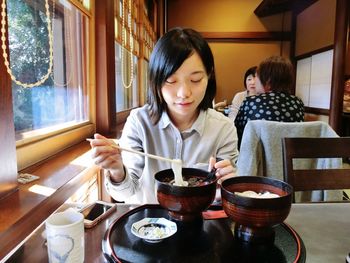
<point x="272" y="106"/>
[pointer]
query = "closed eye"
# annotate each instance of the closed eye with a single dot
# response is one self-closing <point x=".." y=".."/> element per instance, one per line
<point x="170" y="81"/>
<point x="196" y="80"/>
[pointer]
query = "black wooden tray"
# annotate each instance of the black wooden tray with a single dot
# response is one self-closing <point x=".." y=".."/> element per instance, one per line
<point x="207" y="241"/>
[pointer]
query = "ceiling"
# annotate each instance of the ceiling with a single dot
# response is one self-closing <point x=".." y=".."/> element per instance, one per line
<point x="272" y="7"/>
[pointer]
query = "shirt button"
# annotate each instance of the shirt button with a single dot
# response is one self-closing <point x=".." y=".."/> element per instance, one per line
<point x="178" y="141"/>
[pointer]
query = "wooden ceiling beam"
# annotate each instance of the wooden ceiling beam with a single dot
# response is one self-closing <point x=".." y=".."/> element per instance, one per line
<point x="272" y="7"/>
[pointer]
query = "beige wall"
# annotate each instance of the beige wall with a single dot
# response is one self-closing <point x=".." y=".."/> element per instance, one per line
<point x="231" y="58"/>
<point x="232" y="61"/>
<point x="315" y="27"/>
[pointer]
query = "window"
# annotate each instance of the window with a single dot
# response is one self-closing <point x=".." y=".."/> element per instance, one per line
<point x="61" y="100"/>
<point x="313" y="79"/>
<point x="50" y="90"/>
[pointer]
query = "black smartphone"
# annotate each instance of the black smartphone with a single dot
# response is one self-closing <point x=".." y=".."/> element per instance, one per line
<point x="96" y="211"/>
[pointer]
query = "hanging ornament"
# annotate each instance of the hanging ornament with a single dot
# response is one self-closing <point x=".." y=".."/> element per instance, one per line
<point x="123" y="65"/>
<point x="5" y="55"/>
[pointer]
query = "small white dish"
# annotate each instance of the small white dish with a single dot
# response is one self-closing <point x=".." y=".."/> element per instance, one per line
<point x="154" y="230"/>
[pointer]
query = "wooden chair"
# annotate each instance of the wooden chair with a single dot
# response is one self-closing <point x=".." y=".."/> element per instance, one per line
<point x="315" y="179"/>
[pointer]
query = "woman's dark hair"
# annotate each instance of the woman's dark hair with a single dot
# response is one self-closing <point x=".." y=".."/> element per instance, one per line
<point x="171" y="50"/>
<point x="250" y="71"/>
<point x="278" y="73"/>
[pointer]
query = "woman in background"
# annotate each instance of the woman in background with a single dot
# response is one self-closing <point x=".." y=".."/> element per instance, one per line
<point x="273" y="102"/>
<point x="177" y="122"/>
<point x="249" y="84"/>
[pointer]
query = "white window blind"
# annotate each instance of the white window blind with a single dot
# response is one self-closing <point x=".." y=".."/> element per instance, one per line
<point x="313" y="80"/>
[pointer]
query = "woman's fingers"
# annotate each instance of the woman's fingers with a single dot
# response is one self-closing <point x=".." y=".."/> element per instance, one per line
<point x="99" y="136"/>
<point x="107" y="162"/>
<point x="224" y="177"/>
<point x="224" y="170"/>
<point x="104" y="150"/>
<point x="104" y="154"/>
<point x="224" y="167"/>
<point x="211" y="163"/>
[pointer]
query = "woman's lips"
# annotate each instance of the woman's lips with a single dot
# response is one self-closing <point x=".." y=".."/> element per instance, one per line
<point x="184" y="104"/>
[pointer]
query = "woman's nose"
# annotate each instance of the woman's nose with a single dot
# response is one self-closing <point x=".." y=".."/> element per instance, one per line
<point x="184" y="90"/>
<point x="251" y="82"/>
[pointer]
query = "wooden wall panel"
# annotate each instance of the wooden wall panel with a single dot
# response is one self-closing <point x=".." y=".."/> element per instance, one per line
<point x="315" y="27"/>
<point x="223" y="16"/>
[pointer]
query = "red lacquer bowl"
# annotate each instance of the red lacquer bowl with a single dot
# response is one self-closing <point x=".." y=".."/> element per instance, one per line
<point x="255" y="217"/>
<point x="185" y="203"/>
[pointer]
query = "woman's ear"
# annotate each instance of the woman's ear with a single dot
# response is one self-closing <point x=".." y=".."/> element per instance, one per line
<point x="267" y="87"/>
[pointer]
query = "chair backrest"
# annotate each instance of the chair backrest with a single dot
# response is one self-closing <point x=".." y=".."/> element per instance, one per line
<point x="315" y="179"/>
<point x="261" y="148"/>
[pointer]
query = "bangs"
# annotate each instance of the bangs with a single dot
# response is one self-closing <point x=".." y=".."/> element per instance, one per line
<point x="172" y="60"/>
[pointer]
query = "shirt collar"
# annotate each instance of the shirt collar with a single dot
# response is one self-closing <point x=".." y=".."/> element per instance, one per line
<point x="198" y="125"/>
<point x="164" y="120"/>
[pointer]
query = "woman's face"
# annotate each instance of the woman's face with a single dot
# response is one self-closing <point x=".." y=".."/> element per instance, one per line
<point x="250" y="84"/>
<point x="185" y="89"/>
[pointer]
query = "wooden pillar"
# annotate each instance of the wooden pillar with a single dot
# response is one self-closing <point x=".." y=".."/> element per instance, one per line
<point x="339" y="57"/>
<point x="161" y="28"/>
<point x="292" y="45"/>
<point x="105" y="67"/>
<point x="8" y="159"/>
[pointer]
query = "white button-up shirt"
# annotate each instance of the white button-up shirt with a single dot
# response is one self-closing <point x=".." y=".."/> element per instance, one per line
<point x="212" y="134"/>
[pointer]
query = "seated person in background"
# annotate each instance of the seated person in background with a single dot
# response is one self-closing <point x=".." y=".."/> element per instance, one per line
<point x="273" y="102"/>
<point x="249" y="84"/>
<point x="177" y="122"/>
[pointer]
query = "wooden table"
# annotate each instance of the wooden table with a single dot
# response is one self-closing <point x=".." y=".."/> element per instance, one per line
<point x="25" y="209"/>
<point x="324" y="228"/>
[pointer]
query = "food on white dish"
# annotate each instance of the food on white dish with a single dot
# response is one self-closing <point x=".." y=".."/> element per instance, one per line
<point x="153" y="230"/>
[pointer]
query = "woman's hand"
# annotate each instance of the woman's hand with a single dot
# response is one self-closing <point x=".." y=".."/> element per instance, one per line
<point x="224" y="169"/>
<point x="107" y="157"/>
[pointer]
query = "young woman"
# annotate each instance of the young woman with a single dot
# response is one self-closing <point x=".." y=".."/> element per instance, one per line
<point x="273" y="102"/>
<point x="177" y="121"/>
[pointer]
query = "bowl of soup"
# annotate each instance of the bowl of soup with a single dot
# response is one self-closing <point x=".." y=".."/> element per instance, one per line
<point x="185" y="203"/>
<point x="256" y="205"/>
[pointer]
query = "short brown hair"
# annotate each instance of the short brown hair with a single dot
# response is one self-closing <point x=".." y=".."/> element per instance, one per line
<point x="278" y="73"/>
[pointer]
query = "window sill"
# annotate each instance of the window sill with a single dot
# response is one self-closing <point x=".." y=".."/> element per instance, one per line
<point x="24" y="210"/>
<point x="29" y="152"/>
